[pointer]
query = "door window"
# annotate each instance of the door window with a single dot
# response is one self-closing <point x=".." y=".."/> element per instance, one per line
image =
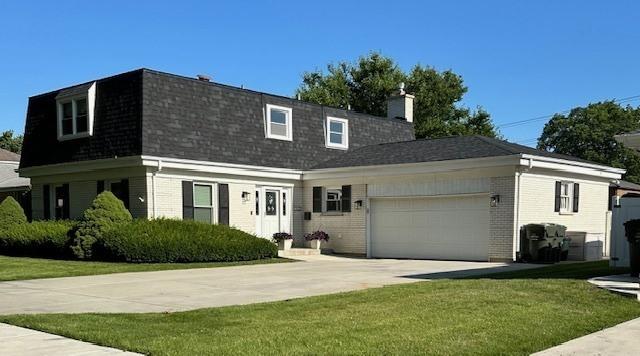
<point x="271" y="203"/>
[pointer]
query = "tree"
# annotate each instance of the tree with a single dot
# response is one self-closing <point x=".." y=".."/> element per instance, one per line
<point x="588" y="133"/>
<point x="10" y="142"/>
<point x="366" y="85"/>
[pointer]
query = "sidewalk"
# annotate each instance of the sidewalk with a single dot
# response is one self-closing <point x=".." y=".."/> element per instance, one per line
<point x="621" y="339"/>
<point x="17" y="341"/>
<point x="621" y="284"/>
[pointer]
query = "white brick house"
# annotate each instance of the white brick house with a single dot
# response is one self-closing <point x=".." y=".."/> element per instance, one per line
<point x="264" y="164"/>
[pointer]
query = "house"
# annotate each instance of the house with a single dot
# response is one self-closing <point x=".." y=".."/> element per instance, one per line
<point x="10" y="183"/>
<point x="177" y="147"/>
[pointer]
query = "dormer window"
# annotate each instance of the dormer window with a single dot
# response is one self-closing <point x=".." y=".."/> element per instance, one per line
<point x="337" y="133"/>
<point x="75" y="114"/>
<point x="279" y="122"/>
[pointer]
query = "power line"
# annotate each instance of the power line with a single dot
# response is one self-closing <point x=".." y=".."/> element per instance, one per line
<point x="546" y="117"/>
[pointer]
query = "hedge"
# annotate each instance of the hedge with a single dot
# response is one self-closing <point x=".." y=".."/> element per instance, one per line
<point x="105" y="212"/>
<point x="48" y="239"/>
<point x="166" y="240"/>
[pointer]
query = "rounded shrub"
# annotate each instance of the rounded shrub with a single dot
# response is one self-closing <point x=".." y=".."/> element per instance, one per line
<point x="48" y="239"/>
<point x="165" y="240"/>
<point x="106" y="211"/>
<point x="11" y="213"/>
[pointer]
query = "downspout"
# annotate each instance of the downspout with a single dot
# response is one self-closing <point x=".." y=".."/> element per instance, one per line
<point x="153" y="188"/>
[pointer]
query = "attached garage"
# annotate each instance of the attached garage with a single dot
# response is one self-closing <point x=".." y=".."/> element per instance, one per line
<point x="446" y="227"/>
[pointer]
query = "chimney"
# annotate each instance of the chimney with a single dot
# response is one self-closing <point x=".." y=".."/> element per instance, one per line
<point x="203" y="78"/>
<point x="400" y="105"/>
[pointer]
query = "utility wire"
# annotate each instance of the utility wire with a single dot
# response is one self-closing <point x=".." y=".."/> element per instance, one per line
<point x="546" y="117"/>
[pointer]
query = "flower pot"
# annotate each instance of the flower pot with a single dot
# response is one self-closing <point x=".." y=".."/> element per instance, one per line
<point x="315" y="244"/>
<point x="284" y="245"/>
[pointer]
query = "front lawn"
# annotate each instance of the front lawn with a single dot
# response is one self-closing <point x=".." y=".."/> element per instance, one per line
<point x="18" y="268"/>
<point x="516" y="316"/>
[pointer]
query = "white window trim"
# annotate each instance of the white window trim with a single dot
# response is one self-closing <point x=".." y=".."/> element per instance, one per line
<point x="326" y="200"/>
<point x="214" y="196"/>
<point x="289" y="124"/>
<point x="90" y="96"/>
<point x="568" y="210"/>
<point x="345" y="133"/>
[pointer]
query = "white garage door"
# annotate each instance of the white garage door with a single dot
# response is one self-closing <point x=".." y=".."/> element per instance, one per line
<point x="448" y="228"/>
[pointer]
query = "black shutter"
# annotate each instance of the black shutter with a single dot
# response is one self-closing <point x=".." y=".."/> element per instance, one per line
<point x="99" y="186"/>
<point x="576" y="197"/>
<point x="317" y="199"/>
<point x="557" y="201"/>
<point x="124" y="192"/>
<point x="346" y="198"/>
<point x="46" y="201"/>
<point x="223" y="204"/>
<point x="66" y="212"/>
<point x="187" y="200"/>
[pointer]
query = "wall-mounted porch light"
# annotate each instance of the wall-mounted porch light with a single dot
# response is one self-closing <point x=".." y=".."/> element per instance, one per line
<point x="358" y="204"/>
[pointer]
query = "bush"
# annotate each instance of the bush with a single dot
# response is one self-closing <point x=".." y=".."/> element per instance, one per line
<point x="11" y="213"/>
<point x="38" y="239"/>
<point x="166" y="240"/>
<point x="105" y="212"/>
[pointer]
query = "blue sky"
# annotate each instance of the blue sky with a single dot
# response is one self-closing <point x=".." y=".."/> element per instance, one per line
<point x="519" y="59"/>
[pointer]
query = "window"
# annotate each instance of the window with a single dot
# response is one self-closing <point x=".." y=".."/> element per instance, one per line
<point x="284" y="204"/>
<point x="75" y="114"/>
<point x="203" y="203"/>
<point x="334" y="200"/>
<point x="271" y="205"/>
<point x="566" y="196"/>
<point x="279" y="122"/>
<point x="257" y="202"/>
<point x="337" y="133"/>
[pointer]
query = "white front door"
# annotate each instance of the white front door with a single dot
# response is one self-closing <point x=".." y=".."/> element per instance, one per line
<point x="271" y="217"/>
<point x="273" y="211"/>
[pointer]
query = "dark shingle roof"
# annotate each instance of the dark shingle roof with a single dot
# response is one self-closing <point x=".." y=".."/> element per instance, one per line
<point x="146" y="112"/>
<point x="9" y="156"/>
<point x="432" y="150"/>
<point x="623" y="184"/>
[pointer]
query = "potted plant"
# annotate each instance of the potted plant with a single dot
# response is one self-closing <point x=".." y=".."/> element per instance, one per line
<point x="283" y="239"/>
<point x="315" y="238"/>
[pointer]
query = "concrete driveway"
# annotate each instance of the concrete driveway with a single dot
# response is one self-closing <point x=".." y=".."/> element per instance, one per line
<point x="179" y="290"/>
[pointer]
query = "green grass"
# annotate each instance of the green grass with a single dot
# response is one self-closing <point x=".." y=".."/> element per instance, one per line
<point x="19" y="268"/>
<point x="510" y="314"/>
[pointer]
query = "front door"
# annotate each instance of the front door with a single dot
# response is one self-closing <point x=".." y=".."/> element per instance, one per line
<point x="271" y="218"/>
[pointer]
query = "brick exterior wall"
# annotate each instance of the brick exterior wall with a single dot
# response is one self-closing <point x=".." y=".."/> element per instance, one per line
<point x="537" y="203"/>
<point x="347" y="231"/>
<point x="502" y="219"/>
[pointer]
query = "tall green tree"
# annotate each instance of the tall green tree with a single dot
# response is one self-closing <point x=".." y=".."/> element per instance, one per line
<point x="366" y="85"/>
<point x="588" y="133"/>
<point x="10" y="142"/>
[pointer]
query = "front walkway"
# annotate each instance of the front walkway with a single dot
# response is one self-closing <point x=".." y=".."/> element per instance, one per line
<point x="622" y="284"/>
<point x="621" y="339"/>
<point x="179" y="290"/>
<point x="17" y="341"/>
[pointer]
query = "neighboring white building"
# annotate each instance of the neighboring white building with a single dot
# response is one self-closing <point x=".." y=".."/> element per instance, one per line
<point x="177" y="147"/>
<point x="10" y="183"/>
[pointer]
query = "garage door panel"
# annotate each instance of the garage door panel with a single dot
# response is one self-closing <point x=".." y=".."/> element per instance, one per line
<point x="430" y="228"/>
